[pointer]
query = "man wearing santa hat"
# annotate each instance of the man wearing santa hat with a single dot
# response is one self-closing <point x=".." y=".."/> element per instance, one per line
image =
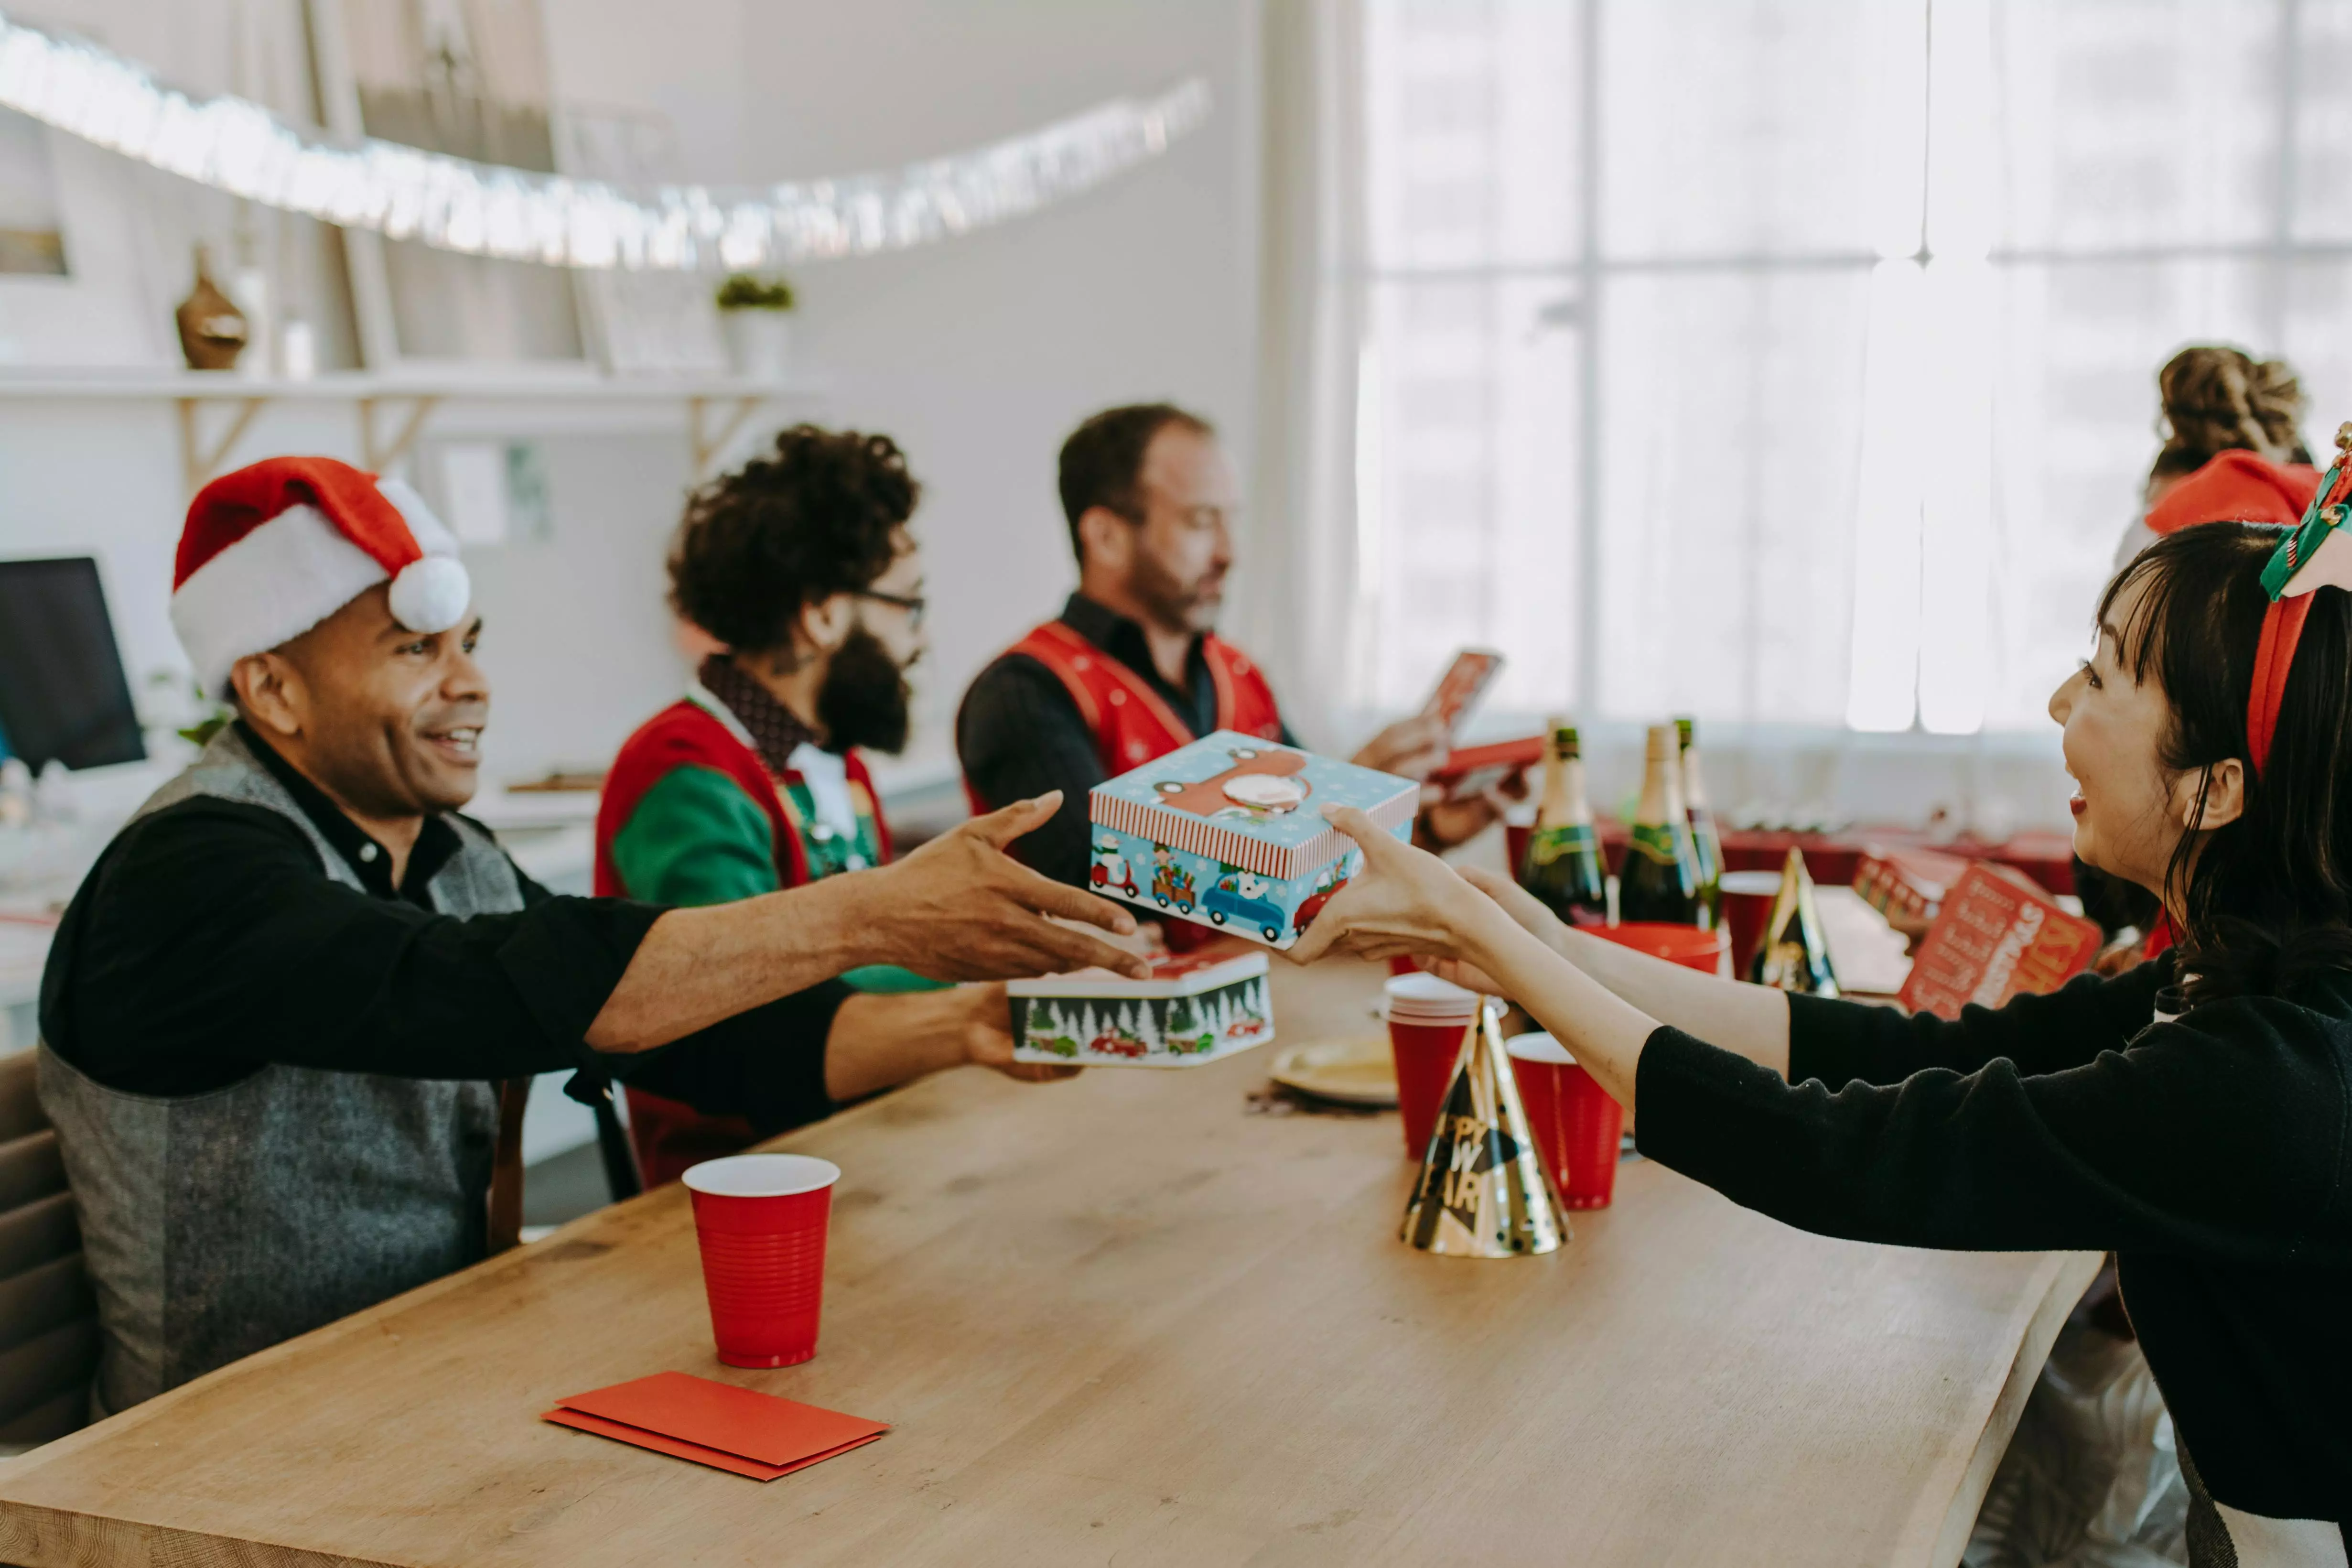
<point x="276" y="1015"/>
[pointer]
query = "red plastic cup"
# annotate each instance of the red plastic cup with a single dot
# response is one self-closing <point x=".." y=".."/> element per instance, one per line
<point x="1747" y="904"/>
<point x="762" y="1220"/>
<point x="1575" y="1123"/>
<point x="1689" y="946"/>
<point x="1518" y="826"/>
<point x="1428" y="1020"/>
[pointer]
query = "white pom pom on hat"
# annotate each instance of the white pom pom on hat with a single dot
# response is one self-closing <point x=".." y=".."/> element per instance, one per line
<point x="431" y="595"/>
<point x="273" y="548"/>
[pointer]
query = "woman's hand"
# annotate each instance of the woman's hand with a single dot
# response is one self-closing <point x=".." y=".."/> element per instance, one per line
<point x="1404" y="900"/>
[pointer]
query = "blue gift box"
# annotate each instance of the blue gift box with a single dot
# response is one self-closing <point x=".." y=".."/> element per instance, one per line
<point x="1229" y="832"/>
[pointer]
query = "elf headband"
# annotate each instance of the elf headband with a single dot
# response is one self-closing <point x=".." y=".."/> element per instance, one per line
<point x="2317" y="554"/>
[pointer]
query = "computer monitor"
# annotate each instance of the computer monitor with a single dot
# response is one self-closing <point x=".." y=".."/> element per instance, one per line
<point x="62" y="692"/>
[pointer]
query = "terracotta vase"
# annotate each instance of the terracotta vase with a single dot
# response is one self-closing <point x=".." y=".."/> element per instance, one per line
<point x="212" y="329"/>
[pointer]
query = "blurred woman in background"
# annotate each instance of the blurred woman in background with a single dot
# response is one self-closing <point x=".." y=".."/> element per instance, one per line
<point x="2214" y="400"/>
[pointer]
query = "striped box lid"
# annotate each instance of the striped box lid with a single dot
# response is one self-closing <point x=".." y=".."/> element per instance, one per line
<point x="1249" y="803"/>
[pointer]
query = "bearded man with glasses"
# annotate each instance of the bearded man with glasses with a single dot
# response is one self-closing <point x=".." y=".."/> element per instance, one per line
<point x="801" y="565"/>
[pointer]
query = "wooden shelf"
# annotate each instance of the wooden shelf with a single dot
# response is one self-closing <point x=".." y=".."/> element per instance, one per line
<point x="502" y="385"/>
<point x="393" y="410"/>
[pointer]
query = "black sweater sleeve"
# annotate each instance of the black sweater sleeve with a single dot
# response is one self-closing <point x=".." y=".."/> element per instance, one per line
<point x="1838" y="1042"/>
<point x="208" y="942"/>
<point x="2220" y="1137"/>
<point x="766" y="1064"/>
<point x="1018" y="735"/>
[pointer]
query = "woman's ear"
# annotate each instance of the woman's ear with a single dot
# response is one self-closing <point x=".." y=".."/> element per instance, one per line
<point x="2224" y="786"/>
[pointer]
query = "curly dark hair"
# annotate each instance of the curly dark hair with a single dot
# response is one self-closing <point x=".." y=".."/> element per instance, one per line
<point x="1102" y="462"/>
<point x="813" y="519"/>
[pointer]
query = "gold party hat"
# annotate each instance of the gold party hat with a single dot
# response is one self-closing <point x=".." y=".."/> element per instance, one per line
<point x="1483" y="1192"/>
<point x="1793" y="956"/>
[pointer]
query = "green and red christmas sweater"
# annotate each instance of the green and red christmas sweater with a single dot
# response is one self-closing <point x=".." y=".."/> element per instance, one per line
<point x="716" y="798"/>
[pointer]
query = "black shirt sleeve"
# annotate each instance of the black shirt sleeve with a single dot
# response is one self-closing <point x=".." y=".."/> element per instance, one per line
<point x="207" y="943"/>
<point x="2218" y="1137"/>
<point x="765" y="1065"/>
<point x="1019" y="734"/>
<point x="1839" y="1041"/>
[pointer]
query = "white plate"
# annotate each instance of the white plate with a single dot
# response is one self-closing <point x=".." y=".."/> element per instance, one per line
<point x="1357" y="1071"/>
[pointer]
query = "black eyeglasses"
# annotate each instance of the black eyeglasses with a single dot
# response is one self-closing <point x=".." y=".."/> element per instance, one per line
<point x="912" y="604"/>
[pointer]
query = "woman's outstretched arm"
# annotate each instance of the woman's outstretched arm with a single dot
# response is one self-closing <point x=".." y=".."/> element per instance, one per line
<point x="1408" y="901"/>
<point x="1752" y="1020"/>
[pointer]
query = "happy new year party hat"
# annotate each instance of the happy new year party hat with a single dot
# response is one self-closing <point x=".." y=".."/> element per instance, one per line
<point x="1793" y="955"/>
<point x="1483" y="1192"/>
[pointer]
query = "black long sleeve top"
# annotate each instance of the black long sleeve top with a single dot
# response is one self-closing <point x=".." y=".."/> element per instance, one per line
<point x="1019" y="733"/>
<point x="208" y="940"/>
<point x="2212" y="1153"/>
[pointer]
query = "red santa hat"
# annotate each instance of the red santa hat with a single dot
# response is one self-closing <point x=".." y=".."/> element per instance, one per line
<point x="2236" y="486"/>
<point x="272" y="550"/>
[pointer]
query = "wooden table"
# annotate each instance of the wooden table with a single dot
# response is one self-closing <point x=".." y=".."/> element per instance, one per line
<point x="1121" y="1318"/>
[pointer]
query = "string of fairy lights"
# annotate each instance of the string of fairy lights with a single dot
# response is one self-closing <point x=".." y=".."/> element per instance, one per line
<point x="452" y="204"/>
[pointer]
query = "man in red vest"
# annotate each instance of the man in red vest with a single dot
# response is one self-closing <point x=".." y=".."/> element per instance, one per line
<point x="1133" y="669"/>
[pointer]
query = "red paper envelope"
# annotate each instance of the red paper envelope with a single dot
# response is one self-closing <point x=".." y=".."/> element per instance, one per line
<point x="739" y="1429"/>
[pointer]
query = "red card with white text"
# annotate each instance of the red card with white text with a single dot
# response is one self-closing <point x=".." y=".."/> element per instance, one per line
<point x="1997" y="935"/>
<point x="717" y="1424"/>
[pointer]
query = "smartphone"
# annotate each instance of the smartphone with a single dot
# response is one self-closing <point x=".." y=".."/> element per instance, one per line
<point x="1466" y="680"/>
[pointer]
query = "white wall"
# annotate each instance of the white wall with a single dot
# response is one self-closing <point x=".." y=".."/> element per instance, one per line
<point x="978" y="355"/>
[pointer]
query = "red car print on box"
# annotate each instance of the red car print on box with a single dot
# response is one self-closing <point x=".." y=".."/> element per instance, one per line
<point x="1114" y="1043"/>
<point x="1325" y="889"/>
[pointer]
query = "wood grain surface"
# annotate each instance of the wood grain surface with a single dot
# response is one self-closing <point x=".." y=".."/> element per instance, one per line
<point x="1121" y="1318"/>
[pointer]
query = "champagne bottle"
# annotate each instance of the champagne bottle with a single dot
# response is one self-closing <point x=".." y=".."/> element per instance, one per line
<point x="1707" y="841"/>
<point x="1660" y="881"/>
<point x="1562" y="865"/>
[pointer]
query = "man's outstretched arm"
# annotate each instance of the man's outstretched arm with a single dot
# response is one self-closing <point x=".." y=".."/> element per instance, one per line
<point x="957" y="909"/>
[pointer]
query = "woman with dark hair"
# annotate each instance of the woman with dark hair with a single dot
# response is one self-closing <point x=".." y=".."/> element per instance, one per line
<point x="2193" y="1115"/>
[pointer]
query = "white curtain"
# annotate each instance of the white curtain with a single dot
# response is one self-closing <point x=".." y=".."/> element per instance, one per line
<point x="1294" y="606"/>
<point x="1790" y="363"/>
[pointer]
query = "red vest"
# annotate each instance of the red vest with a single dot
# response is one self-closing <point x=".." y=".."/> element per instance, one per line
<point x="668" y="1134"/>
<point x="1131" y="723"/>
<point x="687" y="734"/>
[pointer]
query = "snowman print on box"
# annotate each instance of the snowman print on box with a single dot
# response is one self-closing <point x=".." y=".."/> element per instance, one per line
<point x="1229" y="832"/>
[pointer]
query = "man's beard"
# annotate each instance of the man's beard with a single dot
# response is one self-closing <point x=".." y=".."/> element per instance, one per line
<point x="1192" y="606"/>
<point x="864" y="699"/>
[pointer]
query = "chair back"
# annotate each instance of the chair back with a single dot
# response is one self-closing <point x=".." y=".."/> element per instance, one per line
<point x="48" y="1319"/>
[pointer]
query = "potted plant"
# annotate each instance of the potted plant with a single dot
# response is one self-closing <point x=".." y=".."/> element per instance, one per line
<point x="758" y="316"/>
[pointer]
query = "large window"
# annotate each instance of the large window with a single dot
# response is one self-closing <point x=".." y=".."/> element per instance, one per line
<point x="1793" y="360"/>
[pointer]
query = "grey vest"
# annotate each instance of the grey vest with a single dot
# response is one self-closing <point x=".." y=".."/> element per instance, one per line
<point x="216" y="1225"/>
